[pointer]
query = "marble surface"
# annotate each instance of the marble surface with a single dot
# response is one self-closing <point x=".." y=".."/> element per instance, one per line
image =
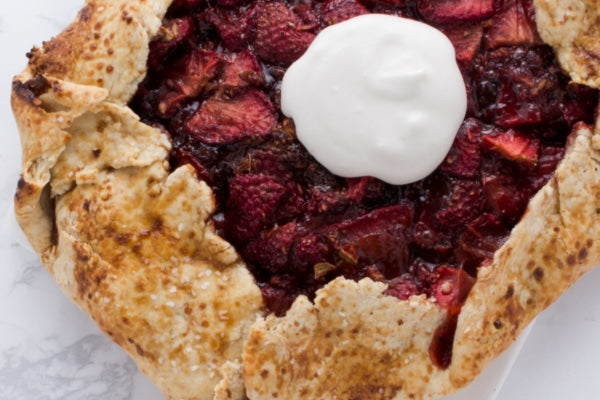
<point x="50" y="350"/>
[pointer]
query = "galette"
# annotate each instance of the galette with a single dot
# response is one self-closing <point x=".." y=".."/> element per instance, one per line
<point x="170" y="198"/>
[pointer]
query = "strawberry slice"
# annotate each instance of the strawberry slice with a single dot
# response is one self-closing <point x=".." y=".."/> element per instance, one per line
<point x="461" y="205"/>
<point x="185" y="157"/>
<point x="321" y="200"/>
<point x="504" y="197"/>
<point x="581" y="102"/>
<point x="444" y="11"/>
<point x="402" y="288"/>
<point x="252" y="204"/>
<point x="308" y="251"/>
<point x="450" y="290"/>
<point x="464" y="156"/>
<point x="451" y="287"/>
<point x="365" y="188"/>
<point x="272" y="248"/>
<point x="236" y="26"/>
<point x="378" y="220"/>
<point x="334" y="11"/>
<point x="281" y="37"/>
<point x="186" y="80"/>
<point x="480" y="240"/>
<point x="549" y="157"/>
<point x="380" y="236"/>
<point x="170" y="35"/>
<point x="307" y="15"/>
<point x="513" y="146"/>
<point x="512" y="26"/>
<point x="242" y="70"/>
<point x="518" y="86"/>
<point x="466" y="39"/>
<point x="279" y="294"/>
<point x="221" y="120"/>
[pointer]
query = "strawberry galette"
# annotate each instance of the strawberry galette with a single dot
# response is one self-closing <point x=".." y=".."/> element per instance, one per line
<point x="170" y="198"/>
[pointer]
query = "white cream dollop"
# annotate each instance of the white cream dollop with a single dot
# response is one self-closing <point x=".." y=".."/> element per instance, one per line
<point x="377" y="95"/>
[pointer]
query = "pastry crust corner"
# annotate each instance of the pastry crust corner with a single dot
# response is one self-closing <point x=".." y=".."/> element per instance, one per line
<point x="572" y="27"/>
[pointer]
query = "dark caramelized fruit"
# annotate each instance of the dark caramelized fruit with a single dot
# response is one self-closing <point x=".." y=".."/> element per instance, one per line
<point x="214" y="84"/>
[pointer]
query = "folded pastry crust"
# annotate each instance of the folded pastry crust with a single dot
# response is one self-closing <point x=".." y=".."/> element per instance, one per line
<point x="133" y="244"/>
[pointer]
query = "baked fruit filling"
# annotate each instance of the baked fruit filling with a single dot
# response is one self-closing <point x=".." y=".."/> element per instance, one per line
<point x="213" y="85"/>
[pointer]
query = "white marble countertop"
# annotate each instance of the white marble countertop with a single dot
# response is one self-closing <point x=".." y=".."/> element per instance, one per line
<point x="50" y="350"/>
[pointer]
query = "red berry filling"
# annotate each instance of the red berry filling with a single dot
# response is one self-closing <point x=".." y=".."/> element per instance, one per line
<point x="213" y="84"/>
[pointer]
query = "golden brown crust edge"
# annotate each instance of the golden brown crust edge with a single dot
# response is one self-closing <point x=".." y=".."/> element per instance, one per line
<point x="379" y="346"/>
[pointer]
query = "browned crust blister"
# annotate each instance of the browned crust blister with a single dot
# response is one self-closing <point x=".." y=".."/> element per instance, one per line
<point x="133" y="245"/>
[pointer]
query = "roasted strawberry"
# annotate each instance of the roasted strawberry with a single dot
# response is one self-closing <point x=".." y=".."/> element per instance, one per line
<point x="364" y="189"/>
<point x="242" y="70"/>
<point x="379" y="237"/>
<point x="513" y="146"/>
<point x="375" y="221"/>
<point x="235" y="26"/>
<point x="272" y="248"/>
<point x="472" y="101"/>
<point x="549" y="157"/>
<point x="443" y="11"/>
<point x="423" y="274"/>
<point x="480" y="240"/>
<point x="324" y="200"/>
<point x="281" y="37"/>
<point x="231" y="3"/>
<point x="252" y="205"/>
<point x="186" y="5"/>
<point x="334" y="11"/>
<point x="581" y="101"/>
<point x="170" y="35"/>
<point x="221" y="120"/>
<point x="518" y="86"/>
<point x="451" y="287"/>
<point x="402" y="288"/>
<point x="279" y="294"/>
<point x="466" y="39"/>
<point x="512" y="26"/>
<point x="504" y="197"/>
<point x="427" y="238"/>
<point x="357" y="187"/>
<point x="186" y="79"/>
<point x="294" y="205"/>
<point x="305" y="12"/>
<point x="461" y="205"/>
<point x="185" y="157"/>
<point x="277" y="155"/>
<point x="464" y="156"/>
<point x="308" y="251"/>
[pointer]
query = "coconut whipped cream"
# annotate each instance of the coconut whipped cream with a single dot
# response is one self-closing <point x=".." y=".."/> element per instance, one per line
<point x="377" y="95"/>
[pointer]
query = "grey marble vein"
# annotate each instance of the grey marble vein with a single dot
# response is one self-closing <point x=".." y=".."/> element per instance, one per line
<point x="79" y="371"/>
